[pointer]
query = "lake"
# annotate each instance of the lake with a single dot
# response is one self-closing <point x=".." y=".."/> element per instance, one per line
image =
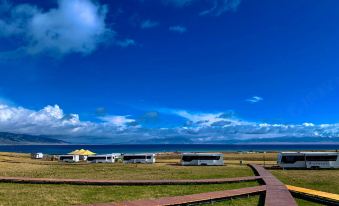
<point x="155" y="148"/>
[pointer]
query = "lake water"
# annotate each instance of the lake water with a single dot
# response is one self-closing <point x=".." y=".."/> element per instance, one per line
<point x="144" y="148"/>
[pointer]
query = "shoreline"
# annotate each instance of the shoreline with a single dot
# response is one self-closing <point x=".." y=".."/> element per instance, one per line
<point x="168" y="148"/>
<point x="156" y="144"/>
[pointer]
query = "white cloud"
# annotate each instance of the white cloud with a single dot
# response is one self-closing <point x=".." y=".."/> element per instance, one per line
<point x="216" y="7"/>
<point x="201" y="127"/>
<point x="307" y="124"/>
<point x="223" y="126"/>
<point x="148" y="24"/>
<point x="51" y="120"/>
<point x="178" y="29"/>
<point x="74" y="26"/>
<point x="221" y="6"/>
<point x="119" y="121"/>
<point x="126" y="43"/>
<point x="179" y="3"/>
<point x="200" y="117"/>
<point x="255" y="99"/>
<point x="207" y="119"/>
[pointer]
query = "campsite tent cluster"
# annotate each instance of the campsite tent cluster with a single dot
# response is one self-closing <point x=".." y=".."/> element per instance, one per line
<point x="92" y="157"/>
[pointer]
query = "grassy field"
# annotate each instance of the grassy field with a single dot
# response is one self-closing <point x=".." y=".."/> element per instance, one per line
<point x="21" y="194"/>
<point x="324" y="180"/>
<point x="243" y="201"/>
<point x="167" y="167"/>
<point x="254" y="201"/>
<point x="22" y="166"/>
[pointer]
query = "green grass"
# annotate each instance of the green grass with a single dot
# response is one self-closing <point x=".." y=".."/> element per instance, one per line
<point x="20" y="165"/>
<point x="254" y="201"/>
<point x="302" y="202"/>
<point x="323" y="180"/>
<point x="241" y="201"/>
<point x="35" y="194"/>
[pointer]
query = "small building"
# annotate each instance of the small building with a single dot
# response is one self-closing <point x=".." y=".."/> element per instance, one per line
<point x="309" y="160"/>
<point x="108" y="158"/>
<point x="69" y="158"/>
<point x="202" y="159"/>
<point x="38" y="155"/>
<point x="138" y="158"/>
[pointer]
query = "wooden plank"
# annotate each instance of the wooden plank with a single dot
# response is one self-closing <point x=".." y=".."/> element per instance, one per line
<point x="277" y="193"/>
<point x="189" y="199"/>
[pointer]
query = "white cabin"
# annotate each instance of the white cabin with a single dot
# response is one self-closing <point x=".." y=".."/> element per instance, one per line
<point x="310" y="160"/>
<point x="69" y="158"/>
<point x="200" y="159"/>
<point x="139" y="158"/>
<point x="38" y="155"/>
<point x="117" y="156"/>
<point x="108" y="158"/>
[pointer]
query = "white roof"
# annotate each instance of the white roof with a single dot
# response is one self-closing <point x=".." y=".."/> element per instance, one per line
<point x="69" y="155"/>
<point x="101" y="155"/>
<point x="310" y="153"/>
<point x="202" y="154"/>
<point x="141" y="154"/>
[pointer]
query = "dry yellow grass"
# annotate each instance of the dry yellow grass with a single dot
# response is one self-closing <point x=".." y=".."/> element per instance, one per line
<point x="13" y="164"/>
<point x="22" y="165"/>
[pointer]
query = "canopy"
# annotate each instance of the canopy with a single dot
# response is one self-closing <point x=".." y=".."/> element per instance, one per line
<point x="82" y="152"/>
<point x="87" y="152"/>
<point x="74" y="152"/>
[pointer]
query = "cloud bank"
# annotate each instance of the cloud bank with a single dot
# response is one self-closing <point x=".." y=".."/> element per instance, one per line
<point x="216" y="7"/>
<point x="51" y="120"/>
<point x="199" y="127"/>
<point x="74" y="26"/>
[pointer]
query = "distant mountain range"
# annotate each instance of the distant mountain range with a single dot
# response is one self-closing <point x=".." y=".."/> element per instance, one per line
<point x="24" y="139"/>
<point x="278" y="140"/>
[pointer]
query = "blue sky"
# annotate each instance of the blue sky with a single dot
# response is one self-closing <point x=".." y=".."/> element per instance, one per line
<point x="203" y="69"/>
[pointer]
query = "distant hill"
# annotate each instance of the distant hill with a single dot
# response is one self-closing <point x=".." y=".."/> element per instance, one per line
<point x="258" y="140"/>
<point x="24" y="139"/>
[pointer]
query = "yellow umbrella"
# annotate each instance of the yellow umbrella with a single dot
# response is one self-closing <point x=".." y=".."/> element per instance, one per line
<point x="74" y="152"/>
<point x="88" y="152"/>
<point x="82" y="152"/>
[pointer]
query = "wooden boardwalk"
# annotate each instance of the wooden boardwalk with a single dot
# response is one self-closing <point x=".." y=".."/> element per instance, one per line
<point x="277" y="193"/>
<point x="189" y="199"/>
<point x="124" y="182"/>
